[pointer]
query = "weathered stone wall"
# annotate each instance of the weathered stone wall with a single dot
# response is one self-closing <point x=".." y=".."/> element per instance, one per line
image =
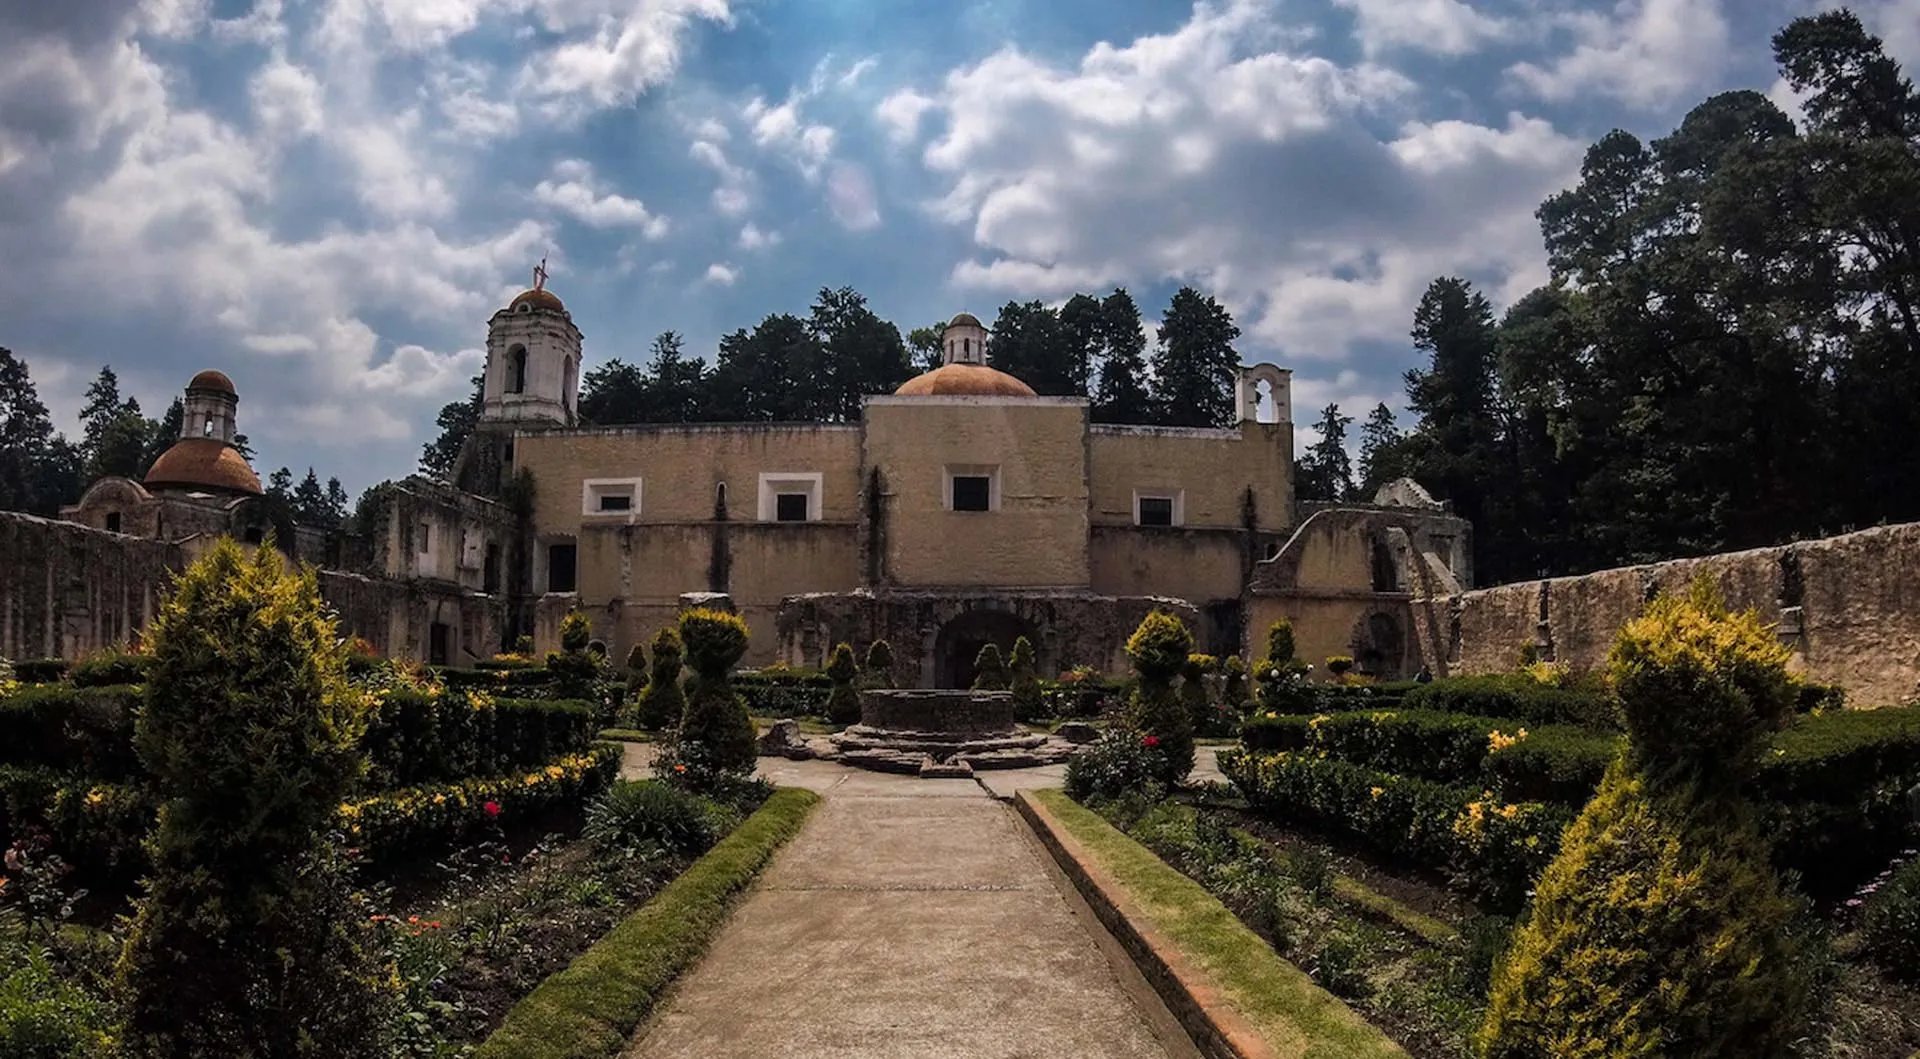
<point x="1848" y="606"/>
<point x="1211" y="470"/>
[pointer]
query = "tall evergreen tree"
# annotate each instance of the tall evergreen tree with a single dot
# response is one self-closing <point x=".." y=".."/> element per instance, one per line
<point x="1382" y="450"/>
<point x="1028" y="344"/>
<point x="280" y="485"/>
<point x="614" y="393"/>
<point x="115" y="436"/>
<point x="310" y="501"/>
<point x="164" y="434"/>
<point x="678" y="382"/>
<point x="39" y="469"/>
<point x="1326" y="472"/>
<point x="1083" y="335"/>
<point x="1194" y="363"/>
<point x="864" y="354"/>
<point x="1122" y="394"/>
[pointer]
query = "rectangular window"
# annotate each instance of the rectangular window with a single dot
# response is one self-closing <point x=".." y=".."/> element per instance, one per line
<point x="610" y="496"/>
<point x="972" y="492"/>
<point x="790" y="507"/>
<point x="1156" y="511"/>
<point x="426" y="537"/>
<point x="560" y="568"/>
<point x="113" y="522"/>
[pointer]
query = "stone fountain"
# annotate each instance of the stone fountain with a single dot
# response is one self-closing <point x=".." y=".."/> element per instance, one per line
<point x="933" y="733"/>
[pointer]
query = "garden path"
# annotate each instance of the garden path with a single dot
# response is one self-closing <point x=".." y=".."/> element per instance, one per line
<point x="911" y="918"/>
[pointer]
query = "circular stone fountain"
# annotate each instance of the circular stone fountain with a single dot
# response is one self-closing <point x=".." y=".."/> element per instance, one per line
<point x="939" y="733"/>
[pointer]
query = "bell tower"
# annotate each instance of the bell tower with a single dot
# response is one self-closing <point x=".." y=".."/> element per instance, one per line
<point x="533" y="361"/>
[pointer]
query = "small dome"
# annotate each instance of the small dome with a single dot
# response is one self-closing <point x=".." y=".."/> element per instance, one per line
<point x="966" y="320"/>
<point x="204" y="463"/>
<point x="212" y="380"/>
<point x="964" y="380"/>
<point x="538" y="298"/>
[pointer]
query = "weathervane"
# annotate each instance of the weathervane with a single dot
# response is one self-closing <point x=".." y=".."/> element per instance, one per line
<point x="540" y="274"/>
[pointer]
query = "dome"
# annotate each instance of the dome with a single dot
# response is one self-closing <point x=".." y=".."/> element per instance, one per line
<point x="204" y="463"/>
<point x="964" y="380"/>
<point x="966" y="320"/>
<point x="212" y="380"/>
<point x="538" y="298"/>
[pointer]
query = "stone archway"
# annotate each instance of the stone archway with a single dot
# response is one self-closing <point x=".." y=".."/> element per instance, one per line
<point x="958" y="643"/>
<point x="1380" y="646"/>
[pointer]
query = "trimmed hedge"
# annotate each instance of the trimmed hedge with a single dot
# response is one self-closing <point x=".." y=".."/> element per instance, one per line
<point x="794" y="693"/>
<point x="593" y="1007"/>
<point x="108" y="668"/>
<point x="416" y="737"/>
<point x="88" y="731"/>
<point x="1517" y="697"/>
<point x="40" y="670"/>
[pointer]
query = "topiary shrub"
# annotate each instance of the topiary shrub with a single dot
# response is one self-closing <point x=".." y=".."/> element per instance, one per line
<point x="636" y="667"/>
<point x="1339" y="665"/>
<point x="1193" y="691"/>
<point x="879" y="668"/>
<point x="989" y="670"/>
<point x="1660" y="929"/>
<point x="716" y="738"/>
<point x="523" y="646"/>
<point x="1159" y="650"/>
<point x="1233" y="686"/>
<point x="104" y="669"/>
<point x="1280" y="677"/>
<point x="249" y="941"/>
<point x="843" y="702"/>
<point x="1029" y="704"/>
<point x="662" y="702"/>
<point x="576" y="632"/>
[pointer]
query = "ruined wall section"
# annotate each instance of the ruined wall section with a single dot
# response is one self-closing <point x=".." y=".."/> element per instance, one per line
<point x="66" y="589"/>
<point x="1848" y="607"/>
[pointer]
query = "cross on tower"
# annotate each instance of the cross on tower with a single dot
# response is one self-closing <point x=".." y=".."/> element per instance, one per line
<point x="540" y="274"/>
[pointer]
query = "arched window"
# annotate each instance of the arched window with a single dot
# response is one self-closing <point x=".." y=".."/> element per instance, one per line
<point x="207" y="428"/>
<point x="966" y="347"/>
<point x="517" y="370"/>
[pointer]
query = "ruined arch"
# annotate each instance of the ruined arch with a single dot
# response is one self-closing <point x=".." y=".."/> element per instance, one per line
<point x="1380" y="645"/>
<point x="1250" y="381"/>
<point x="958" y="642"/>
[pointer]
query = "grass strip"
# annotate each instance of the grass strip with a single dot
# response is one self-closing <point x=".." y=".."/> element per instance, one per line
<point x="1293" y="1017"/>
<point x="1358" y="895"/>
<point x="626" y="735"/>
<point x="591" y="1009"/>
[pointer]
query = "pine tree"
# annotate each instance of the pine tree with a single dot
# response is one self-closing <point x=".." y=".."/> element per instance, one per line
<point x="280" y="485"/>
<point x="1382" y="455"/>
<point x="115" y="435"/>
<point x="865" y="354"/>
<point x="1082" y="338"/>
<point x="336" y="509"/>
<point x="1029" y="344"/>
<point x="1122" y="395"/>
<point x="163" y="435"/>
<point x="310" y="501"/>
<point x="1326" y="473"/>
<point x="843" y="702"/>
<point x="39" y="469"/>
<point x="1194" y="362"/>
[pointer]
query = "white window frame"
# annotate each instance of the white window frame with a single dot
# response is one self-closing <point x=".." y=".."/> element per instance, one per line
<point x="991" y="472"/>
<point x="1177" y="496"/>
<point x="592" y="489"/>
<point x="773" y="484"/>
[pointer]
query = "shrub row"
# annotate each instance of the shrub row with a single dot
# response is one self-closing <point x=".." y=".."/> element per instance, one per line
<point x="96" y="827"/>
<point x="416" y="737"/>
<point x="88" y="731"/>
<point x="592" y="1008"/>
<point x="1488" y="848"/>
<point x="796" y="693"/>
<point x="1517" y="697"/>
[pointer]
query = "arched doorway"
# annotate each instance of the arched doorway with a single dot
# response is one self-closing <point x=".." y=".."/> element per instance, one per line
<point x="1381" y="647"/>
<point x="959" y="641"/>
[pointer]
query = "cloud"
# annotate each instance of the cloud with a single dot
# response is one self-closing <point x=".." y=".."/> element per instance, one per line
<point x="1444" y="27"/>
<point x="722" y="275"/>
<point x="733" y="195"/>
<point x="852" y="198"/>
<point x="1645" y="53"/>
<point x="573" y="190"/>
<point x="752" y="238"/>
<point x="1215" y="155"/>
<point x="613" y="49"/>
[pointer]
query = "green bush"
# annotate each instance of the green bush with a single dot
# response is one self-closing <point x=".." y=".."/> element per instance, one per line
<point x="414" y="737"/>
<point x="636" y="668"/>
<point x="1516" y="697"/>
<point x="648" y="816"/>
<point x="1554" y="763"/>
<point x="716" y="737"/>
<point x="44" y="1016"/>
<point x="662" y="702"/>
<point x="879" y="667"/>
<point x="1339" y="665"/>
<point x="108" y="668"/>
<point x="843" y="703"/>
<point x="576" y="632"/>
<point x="784" y="693"/>
<point x="1660" y="928"/>
<point x="1233" y="686"/>
<point x="86" y="731"/>
<point x="248" y="941"/>
<point x="1158" y="650"/>
<point x="1117" y="763"/>
<point x="989" y="669"/>
<point x="98" y="828"/>
<point x="39" y="670"/>
<point x="1890" y="918"/>
<point x="1029" y="703"/>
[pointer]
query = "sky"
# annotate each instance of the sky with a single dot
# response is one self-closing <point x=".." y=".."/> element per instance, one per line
<point x="326" y="199"/>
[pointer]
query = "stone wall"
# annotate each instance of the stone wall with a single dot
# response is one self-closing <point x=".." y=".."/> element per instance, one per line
<point x="1848" y="606"/>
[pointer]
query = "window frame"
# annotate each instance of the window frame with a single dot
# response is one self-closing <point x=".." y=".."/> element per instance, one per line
<point x="1177" y="503"/>
<point x="774" y="484"/>
<point x="593" y="489"/>
<point x="991" y="472"/>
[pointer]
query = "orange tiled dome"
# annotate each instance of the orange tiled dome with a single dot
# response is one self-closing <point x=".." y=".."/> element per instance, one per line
<point x="211" y="380"/>
<point x="964" y="380"/>
<point x="204" y="463"/>
<point x="539" y="298"/>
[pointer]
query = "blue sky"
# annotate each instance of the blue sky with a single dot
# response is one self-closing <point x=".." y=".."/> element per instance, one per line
<point x="327" y="199"/>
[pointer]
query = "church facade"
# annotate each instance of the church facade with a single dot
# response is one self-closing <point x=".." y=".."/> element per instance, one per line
<point x="959" y="510"/>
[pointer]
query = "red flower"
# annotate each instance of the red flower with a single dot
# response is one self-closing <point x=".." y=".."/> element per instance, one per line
<point x="492" y="808"/>
<point x="1152" y="740"/>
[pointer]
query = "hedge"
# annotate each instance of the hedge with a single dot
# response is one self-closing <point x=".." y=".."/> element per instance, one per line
<point x="108" y="668"/>
<point x="592" y="1008"/>
<point x="40" y="670"/>
<point x="98" y="828"/>
<point x="798" y="693"/>
<point x="1488" y="848"/>
<point x="1516" y="697"/>
<point x="416" y="737"/>
<point x="88" y="731"/>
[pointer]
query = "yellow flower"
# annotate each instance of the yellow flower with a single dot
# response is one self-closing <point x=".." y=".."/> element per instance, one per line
<point x="1376" y="791"/>
<point x="1508" y="812"/>
<point x="439" y="799"/>
<point x="96" y="796"/>
<point x="1498" y="740"/>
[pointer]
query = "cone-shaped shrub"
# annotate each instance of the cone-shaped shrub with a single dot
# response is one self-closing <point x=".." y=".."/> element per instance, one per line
<point x="879" y="668"/>
<point x="576" y="632"/>
<point x="636" y="667"/>
<point x="989" y="670"/>
<point x="1193" y="689"/>
<point x="249" y="942"/>
<point x="1233" y="686"/>
<point x="1159" y="650"/>
<point x="662" y="702"/>
<point x="1660" y="929"/>
<point x="716" y="738"/>
<point x="843" y="702"/>
<point x="1028" y="703"/>
<point x="1280" y="642"/>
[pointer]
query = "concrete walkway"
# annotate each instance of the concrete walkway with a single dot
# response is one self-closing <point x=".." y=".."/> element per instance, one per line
<point x="911" y="918"/>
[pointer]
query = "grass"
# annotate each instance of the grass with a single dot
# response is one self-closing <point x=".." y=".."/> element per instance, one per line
<point x="592" y="1008"/>
<point x="1294" y="1016"/>
<point x="626" y="735"/>
<point x="1356" y="894"/>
